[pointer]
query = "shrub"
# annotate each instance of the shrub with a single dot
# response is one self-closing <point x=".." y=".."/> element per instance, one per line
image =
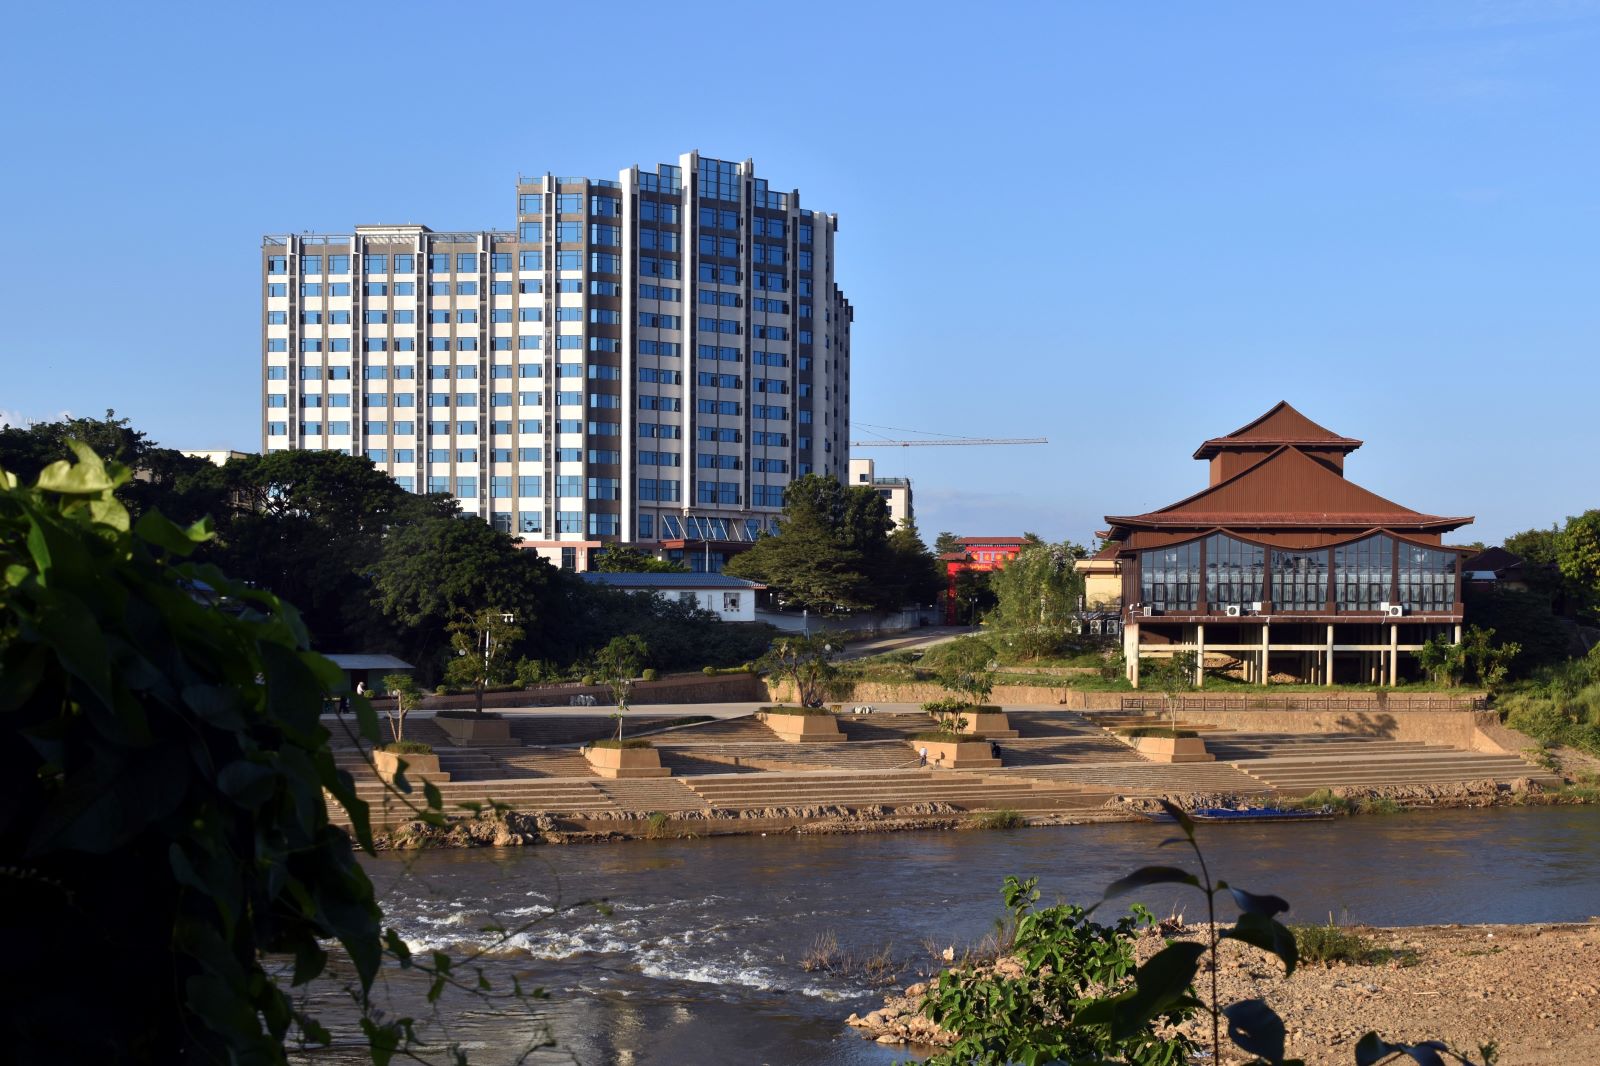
<point x="649" y="674"/>
<point x="710" y="671"/>
<point x="441" y="690"/>
<point x="1324" y="945"/>
<point x="612" y="742"/>
<point x="408" y="747"/>
<point x="586" y="680"/>
<point x="1004" y="818"/>
<point x="941" y="736"/>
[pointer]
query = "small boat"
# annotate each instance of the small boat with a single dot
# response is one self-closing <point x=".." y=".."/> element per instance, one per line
<point x="1260" y="814"/>
<point x="1216" y="815"/>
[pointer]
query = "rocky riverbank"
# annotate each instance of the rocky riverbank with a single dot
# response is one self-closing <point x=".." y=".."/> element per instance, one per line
<point x="1533" y="991"/>
<point x="491" y="828"/>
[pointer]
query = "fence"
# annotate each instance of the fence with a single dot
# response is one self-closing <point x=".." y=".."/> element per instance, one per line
<point x="1328" y="704"/>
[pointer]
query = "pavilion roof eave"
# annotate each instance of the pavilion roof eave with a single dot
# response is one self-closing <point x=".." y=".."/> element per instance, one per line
<point x="1216" y="445"/>
<point x="1307" y="521"/>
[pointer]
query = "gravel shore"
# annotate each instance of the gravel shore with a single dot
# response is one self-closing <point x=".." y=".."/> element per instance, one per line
<point x="1533" y="990"/>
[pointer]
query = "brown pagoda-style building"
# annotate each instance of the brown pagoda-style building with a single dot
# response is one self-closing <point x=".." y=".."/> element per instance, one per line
<point x="1286" y="566"/>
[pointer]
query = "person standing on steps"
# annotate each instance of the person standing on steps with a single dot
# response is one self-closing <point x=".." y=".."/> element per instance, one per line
<point x="922" y="755"/>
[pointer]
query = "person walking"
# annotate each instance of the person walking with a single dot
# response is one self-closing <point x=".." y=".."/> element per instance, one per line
<point x="361" y="688"/>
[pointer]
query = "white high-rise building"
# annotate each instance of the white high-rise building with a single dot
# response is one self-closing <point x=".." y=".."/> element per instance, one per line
<point x="649" y="360"/>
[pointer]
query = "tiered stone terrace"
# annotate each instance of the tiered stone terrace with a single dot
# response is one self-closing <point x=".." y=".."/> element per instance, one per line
<point x="1061" y="762"/>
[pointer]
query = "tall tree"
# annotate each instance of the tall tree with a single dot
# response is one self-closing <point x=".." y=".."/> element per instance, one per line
<point x="434" y="570"/>
<point x="835" y="551"/>
<point x="1578" y="556"/>
<point x="947" y="543"/>
<point x="1037" y="594"/>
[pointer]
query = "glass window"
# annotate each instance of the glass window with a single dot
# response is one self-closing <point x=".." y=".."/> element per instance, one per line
<point x="1300" y="580"/>
<point x="1169" y="578"/>
<point x="1427" y="578"/>
<point x="1362" y="573"/>
<point x="405" y="264"/>
<point x="1233" y="572"/>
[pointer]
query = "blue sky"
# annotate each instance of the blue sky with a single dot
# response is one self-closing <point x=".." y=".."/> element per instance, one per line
<point x="1123" y="227"/>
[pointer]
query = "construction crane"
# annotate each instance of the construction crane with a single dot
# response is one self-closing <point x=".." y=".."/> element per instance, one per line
<point x="945" y="440"/>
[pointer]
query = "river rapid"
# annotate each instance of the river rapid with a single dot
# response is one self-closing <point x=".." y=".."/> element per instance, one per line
<point x="698" y="960"/>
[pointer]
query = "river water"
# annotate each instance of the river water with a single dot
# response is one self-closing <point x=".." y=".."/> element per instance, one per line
<point x="698" y="959"/>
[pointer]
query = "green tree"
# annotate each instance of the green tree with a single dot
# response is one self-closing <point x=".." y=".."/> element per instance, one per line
<point x="1578" y="556"/>
<point x="310" y="526"/>
<point x="1172" y="676"/>
<point x="1488" y="660"/>
<point x="1443" y="659"/>
<point x="617" y="665"/>
<point x="403" y="687"/>
<point x="1037" y="595"/>
<point x="807" y="563"/>
<point x="624" y="559"/>
<point x="162" y="789"/>
<point x="185" y="489"/>
<point x="435" y="570"/>
<point x="966" y="668"/>
<point x="973" y="595"/>
<point x="947" y="543"/>
<point x="482" y="640"/>
<point x="1541" y="546"/>
<point x="917" y="577"/>
<point x="834" y="552"/>
<point x="807" y="660"/>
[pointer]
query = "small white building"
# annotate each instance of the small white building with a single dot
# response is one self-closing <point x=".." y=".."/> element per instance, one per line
<point x="733" y="599"/>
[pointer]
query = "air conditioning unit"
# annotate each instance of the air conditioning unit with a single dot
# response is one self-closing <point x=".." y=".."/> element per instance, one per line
<point x="1394" y="610"/>
<point x="1233" y="610"/>
<point x="1255" y="608"/>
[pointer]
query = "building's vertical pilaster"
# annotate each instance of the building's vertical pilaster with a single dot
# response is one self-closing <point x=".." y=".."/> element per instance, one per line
<point x="1200" y="655"/>
<point x="1394" y="655"/>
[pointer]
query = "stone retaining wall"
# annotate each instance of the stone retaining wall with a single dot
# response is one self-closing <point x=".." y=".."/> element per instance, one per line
<point x="724" y="688"/>
<point x="1468" y="730"/>
<point x="1004" y="695"/>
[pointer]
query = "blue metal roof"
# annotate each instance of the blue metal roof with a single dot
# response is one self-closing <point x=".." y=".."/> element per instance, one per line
<point x="668" y="581"/>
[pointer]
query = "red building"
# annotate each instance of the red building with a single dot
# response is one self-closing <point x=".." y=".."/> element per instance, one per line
<point x="980" y="554"/>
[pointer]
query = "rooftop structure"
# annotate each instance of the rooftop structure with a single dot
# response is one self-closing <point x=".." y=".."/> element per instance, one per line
<point x="1284" y="565"/>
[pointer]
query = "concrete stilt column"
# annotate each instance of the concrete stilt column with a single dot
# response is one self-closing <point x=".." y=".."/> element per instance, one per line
<point x="1200" y="656"/>
<point x="1266" y="654"/>
<point x="1130" y="651"/>
<point x="1394" y="656"/>
<point x="1327" y="661"/>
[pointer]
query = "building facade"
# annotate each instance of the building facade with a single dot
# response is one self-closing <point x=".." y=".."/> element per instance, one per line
<point x="896" y="491"/>
<point x="977" y="555"/>
<point x="1286" y="567"/>
<point x="645" y="360"/>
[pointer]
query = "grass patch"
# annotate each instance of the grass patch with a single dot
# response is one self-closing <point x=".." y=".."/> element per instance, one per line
<point x="612" y="742"/>
<point x="799" y="712"/>
<point x="1325" y="945"/>
<point x="877" y="968"/>
<point x="1323" y="797"/>
<point x="1003" y="818"/>
<point x="408" y="747"/>
<point x="658" y="825"/>
<point x="941" y="736"/>
<point x="1162" y="731"/>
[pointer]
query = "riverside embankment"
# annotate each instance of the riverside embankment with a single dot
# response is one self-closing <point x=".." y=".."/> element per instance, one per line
<point x="699" y="958"/>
